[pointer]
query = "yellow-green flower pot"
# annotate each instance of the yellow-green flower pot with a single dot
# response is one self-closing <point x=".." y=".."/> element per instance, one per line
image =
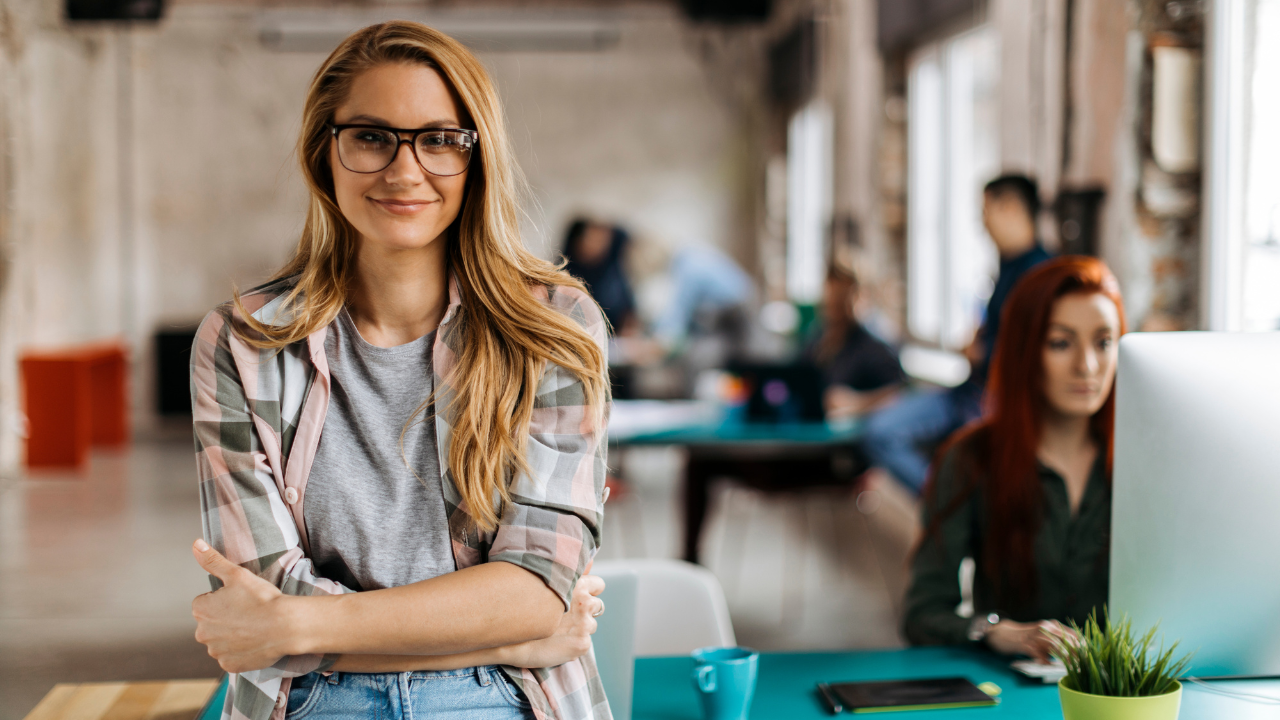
<point x="1081" y="706"/>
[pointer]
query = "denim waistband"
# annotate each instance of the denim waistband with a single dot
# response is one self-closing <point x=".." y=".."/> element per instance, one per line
<point x="482" y="673"/>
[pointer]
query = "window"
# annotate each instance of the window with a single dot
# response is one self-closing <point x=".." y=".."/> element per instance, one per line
<point x="809" y="151"/>
<point x="952" y="150"/>
<point x="1242" y="263"/>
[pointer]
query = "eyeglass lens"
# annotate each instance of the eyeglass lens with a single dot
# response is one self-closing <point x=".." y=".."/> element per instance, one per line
<point x="369" y="150"/>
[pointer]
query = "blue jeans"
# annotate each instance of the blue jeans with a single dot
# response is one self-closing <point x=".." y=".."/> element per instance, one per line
<point x="898" y="437"/>
<point x="478" y="693"/>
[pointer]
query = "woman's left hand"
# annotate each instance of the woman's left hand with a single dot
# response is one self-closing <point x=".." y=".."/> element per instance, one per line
<point x="572" y="638"/>
<point x="242" y="622"/>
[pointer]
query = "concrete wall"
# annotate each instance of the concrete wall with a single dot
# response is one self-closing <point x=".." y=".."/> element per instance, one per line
<point x="207" y="194"/>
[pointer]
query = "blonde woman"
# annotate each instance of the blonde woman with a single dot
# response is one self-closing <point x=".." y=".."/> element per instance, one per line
<point x="400" y="438"/>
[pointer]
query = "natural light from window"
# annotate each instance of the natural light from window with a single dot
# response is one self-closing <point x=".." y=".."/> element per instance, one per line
<point x="953" y="149"/>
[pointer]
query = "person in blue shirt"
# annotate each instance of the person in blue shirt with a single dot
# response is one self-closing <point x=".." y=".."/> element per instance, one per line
<point x="704" y="281"/>
<point x="900" y="437"/>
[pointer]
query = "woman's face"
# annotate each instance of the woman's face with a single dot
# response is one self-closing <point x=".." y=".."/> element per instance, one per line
<point x="1080" y="353"/>
<point x="402" y="207"/>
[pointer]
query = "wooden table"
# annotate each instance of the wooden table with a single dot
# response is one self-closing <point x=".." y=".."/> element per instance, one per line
<point x="160" y="700"/>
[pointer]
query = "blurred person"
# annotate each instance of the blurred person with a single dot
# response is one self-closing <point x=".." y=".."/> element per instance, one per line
<point x="898" y="437"/>
<point x="1026" y="491"/>
<point x="375" y="503"/>
<point x="709" y="294"/>
<point x="594" y="253"/>
<point x="860" y="371"/>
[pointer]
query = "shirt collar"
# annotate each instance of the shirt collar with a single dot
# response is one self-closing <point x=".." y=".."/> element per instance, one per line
<point x="455" y="299"/>
<point x="1034" y="251"/>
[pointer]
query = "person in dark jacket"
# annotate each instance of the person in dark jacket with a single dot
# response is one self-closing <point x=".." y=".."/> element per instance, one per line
<point x="899" y="437"/>
<point x="594" y="252"/>
<point x="860" y="371"/>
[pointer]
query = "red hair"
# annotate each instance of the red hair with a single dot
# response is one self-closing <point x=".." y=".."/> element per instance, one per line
<point x="1002" y="444"/>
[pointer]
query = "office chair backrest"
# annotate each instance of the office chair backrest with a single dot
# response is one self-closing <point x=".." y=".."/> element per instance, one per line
<point x="679" y="606"/>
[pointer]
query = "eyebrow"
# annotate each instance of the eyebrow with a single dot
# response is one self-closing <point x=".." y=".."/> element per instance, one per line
<point x="373" y="120"/>
<point x="1063" y="328"/>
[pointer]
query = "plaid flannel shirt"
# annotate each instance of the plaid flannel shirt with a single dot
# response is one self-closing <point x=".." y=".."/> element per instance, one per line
<point x="258" y="416"/>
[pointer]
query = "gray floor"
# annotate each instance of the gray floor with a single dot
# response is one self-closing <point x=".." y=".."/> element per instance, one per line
<point x="96" y="576"/>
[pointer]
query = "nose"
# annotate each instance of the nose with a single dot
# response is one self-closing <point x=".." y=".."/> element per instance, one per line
<point x="404" y="168"/>
<point x="1089" y="362"/>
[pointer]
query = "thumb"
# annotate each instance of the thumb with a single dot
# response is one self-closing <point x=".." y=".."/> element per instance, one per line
<point x="213" y="562"/>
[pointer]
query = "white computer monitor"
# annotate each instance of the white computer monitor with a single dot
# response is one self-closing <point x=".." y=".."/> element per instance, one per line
<point x="1196" y="507"/>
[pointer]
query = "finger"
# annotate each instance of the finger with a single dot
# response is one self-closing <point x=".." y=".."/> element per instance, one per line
<point x="213" y="562"/>
<point x="594" y="584"/>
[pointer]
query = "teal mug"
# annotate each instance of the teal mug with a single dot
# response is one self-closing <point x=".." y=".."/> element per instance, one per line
<point x="725" y="678"/>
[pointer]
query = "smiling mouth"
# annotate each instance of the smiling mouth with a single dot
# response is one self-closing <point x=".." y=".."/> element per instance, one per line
<point x="401" y="207"/>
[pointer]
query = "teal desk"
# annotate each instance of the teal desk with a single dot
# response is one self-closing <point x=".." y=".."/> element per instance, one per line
<point x="739" y="435"/>
<point x="770" y="457"/>
<point x="785" y="689"/>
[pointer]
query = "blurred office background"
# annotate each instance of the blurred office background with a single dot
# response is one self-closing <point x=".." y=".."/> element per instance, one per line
<point x="147" y="167"/>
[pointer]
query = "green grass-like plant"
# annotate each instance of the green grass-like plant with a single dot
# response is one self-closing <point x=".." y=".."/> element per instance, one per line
<point x="1108" y="659"/>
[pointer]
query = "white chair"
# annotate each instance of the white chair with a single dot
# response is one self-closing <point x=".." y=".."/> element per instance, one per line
<point x="679" y="606"/>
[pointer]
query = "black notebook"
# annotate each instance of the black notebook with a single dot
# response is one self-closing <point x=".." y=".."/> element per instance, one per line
<point x="931" y="694"/>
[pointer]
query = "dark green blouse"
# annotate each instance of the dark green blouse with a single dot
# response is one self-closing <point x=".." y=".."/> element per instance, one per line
<point x="1071" y="555"/>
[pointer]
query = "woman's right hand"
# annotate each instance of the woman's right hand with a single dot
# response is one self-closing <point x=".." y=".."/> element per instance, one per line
<point x="1035" y="640"/>
<point x="572" y="638"/>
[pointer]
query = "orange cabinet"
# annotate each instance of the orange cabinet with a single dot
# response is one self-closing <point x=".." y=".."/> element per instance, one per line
<point x="75" y="398"/>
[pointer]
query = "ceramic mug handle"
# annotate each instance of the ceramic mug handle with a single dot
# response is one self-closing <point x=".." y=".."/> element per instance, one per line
<point x="705" y="677"/>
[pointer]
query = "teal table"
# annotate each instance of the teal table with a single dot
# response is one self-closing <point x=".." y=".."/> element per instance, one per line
<point x="770" y="457"/>
<point x="785" y="689"/>
<point x="740" y="434"/>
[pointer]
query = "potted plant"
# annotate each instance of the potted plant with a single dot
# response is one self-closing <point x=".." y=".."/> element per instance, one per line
<point x="1114" y="675"/>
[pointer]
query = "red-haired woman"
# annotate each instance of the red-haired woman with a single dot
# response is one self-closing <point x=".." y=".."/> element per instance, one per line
<point x="1026" y="490"/>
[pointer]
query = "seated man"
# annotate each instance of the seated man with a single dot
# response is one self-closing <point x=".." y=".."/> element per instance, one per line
<point x="859" y="371"/>
<point x="897" y="438"/>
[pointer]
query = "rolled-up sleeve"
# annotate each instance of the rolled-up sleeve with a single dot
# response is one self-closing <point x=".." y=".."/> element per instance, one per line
<point x="243" y="515"/>
<point x="931" y="601"/>
<point x="552" y="525"/>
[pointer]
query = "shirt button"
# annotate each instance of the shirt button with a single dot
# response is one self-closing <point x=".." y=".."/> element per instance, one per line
<point x="290" y="495"/>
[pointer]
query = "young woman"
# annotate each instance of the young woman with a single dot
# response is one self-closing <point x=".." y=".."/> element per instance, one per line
<point x="1026" y="490"/>
<point x="400" y="439"/>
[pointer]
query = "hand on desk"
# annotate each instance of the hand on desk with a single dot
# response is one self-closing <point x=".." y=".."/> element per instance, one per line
<point x="842" y="402"/>
<point x="1035" y="640"/>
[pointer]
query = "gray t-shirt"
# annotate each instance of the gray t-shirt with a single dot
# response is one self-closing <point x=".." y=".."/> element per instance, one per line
<point x="372" y="524"/>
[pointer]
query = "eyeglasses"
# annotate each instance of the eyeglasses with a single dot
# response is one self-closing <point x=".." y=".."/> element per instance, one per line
<point x="372" y="148"/>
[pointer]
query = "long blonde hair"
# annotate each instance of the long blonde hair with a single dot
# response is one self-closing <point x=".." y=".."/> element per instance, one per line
<point x="508" y="334"/>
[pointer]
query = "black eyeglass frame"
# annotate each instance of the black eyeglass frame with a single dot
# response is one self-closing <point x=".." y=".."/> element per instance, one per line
<point x="412" y="142"/>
